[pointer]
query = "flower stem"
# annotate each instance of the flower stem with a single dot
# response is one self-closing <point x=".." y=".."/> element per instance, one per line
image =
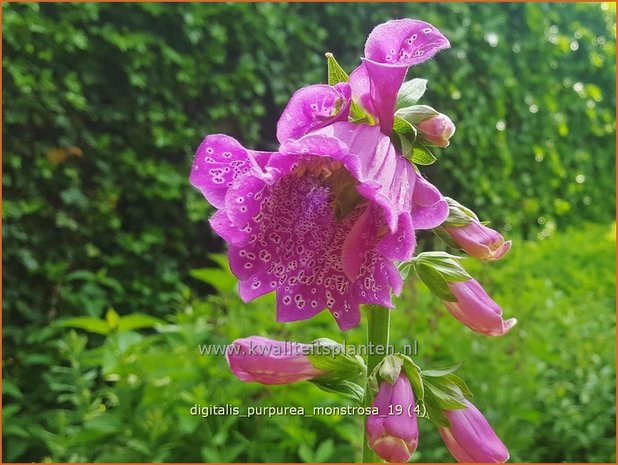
<point x="378" y="326"/>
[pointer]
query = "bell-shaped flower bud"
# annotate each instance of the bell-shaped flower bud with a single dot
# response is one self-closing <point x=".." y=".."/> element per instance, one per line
<point x="437" y="130"/>
<point x="463" y="229"/>
<point x="471" y="439"/>
<point x="267" y="361"/>
<point x="475" y="309"/>
<point x="393" y="434"/>
<point x="479" y="241"/>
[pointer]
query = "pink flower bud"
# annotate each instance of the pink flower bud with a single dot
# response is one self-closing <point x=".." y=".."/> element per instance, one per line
<point x="471" y="439"/>
<point x="437" y="130"/>
<point x="393" y="434"/>
<point x="479" y="241"/>
<point x="266" y="361"/>
<point x="475" y="309"/>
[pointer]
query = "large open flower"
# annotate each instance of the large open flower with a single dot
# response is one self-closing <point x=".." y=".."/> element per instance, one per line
<point x="321" y="222"/>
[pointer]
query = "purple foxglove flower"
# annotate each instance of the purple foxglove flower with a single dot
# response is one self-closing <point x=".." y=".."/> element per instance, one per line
<point x="391" y="48"/>
<point x="321" y="222"/>
<point x="479" y="241"/>
<point x="475" y="309"/>
<point x="312" y="108"/>
<point x="393" y="434"/>
<point x="471" y="439"/>
<point x="437" y="130"/>
<point x="266" y="361"/>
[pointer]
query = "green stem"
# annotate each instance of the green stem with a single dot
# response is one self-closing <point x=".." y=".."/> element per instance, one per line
<point x="378" y="326"/>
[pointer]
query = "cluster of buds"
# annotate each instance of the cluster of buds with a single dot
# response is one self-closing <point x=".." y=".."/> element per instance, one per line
<point x="393" y="433"/>
<point x="392" y="423"/>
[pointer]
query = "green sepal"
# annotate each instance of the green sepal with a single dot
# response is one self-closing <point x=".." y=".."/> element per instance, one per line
<point x="436" y="283"/>
<point x="336" y="73"/>
<point x="445" y="237"/>
<point x="434" y="413"/>
<point x="413" y="372"/>
<point x="460" y="383"/>
<point x="458" y="215"/>
<point x="404" y="129"/>
<point x="341" y="386"/>
<point x="443" y="391"/>
<point x="404" y="269"/>
<point x="437" y="269"/>
<point x="442" y="371"/>
<point x="421" y="155"/>
<point x="390" y="367"/>
<point x="416" y="113"/>
<point x="372" y="382"/>
<point x="410" y="93"/>
<point x="447" y="394"/>
<point x="335" y="361"/>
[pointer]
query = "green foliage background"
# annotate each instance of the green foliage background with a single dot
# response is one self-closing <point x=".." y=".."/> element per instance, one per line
<point x="103" y="107"/>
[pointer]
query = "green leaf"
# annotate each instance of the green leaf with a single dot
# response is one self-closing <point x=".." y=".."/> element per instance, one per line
<point x="414" y="375"/>
<point x="436" y="283"/>
<point x="341" y="386"/>
<point x="416" y="113"/>
<point x="458" y="215"/>
<point x="8" y="411"/>
<point x="220" y="259"/>
<point x="112" y="318"/>
<point x="324" y="451"/>
<point x="336" y="73"/>
<point x="407" y="147"/>
<point x="421" y="155"/>
<point x="445" y="237"/>
<point x="11" y="389"/>
<point x="404" y="269"/>
<point x="88" y="323"/>
<point x="390" y="368"/>
<point x="411" y="92"/>
<point x="404" y="128"/>
<point x="221" y="280"/>
<point x="445" y="264"/>
<point x="452" y="273"/>
<point x="331" y="357"/>
<point x="460" y="383"/>
<point x="442" y="371"/>
<point x="138" y="321"/>
<point x="372" y="383"/>
<point x="434" y="413"/>
<point x="448" y="396"/>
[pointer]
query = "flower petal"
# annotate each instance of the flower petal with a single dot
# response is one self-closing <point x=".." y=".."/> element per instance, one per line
<point x="312" y="108"/>
<point x="219" y="160"/>
<point x="361" y="238"/>
<point x="298" y="303"/>
<point x="399" y="245"/>
<point x="227" y="230"/>
<point x="429" y="209"/>
<point x="373" y="285"/>
<point x="385" y="177"/>
<point x="375" y="86"/>
<point x="405" y="42"/>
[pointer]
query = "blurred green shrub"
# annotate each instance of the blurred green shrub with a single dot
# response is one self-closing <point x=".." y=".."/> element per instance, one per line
<point x="123" y="386"/>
